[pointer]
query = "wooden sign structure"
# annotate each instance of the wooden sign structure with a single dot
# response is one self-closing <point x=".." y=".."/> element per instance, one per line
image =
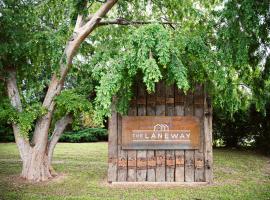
<point x="166" y="137"/>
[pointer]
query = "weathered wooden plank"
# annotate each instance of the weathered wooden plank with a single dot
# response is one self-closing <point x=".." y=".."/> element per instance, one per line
<point x="208" y="140"/>
<point x="160" y="169"/>
<point x="141" y="100"/>
<point x="170" y="100"/>
<point x="160" y="111"/>
<point x="179" y="166"/>
<point x="132" y="160"/>
<point x="151" y="159"/>
<point x="189" y="166"/>
<point x="199" y="166"/>
<point x="189" y="109"/>
<point x="141" y="154"/>
<point x="160" y="99"/>
<point x="122" y="154"/>
<point x="170" y="157"/>
<point x="199" y="155"/>
<point x="112" y="147"/>
<point x="141" y="165"/>
<point x="199" y="110"/>
<point x="189" y="154"/>
<point x="179" y="154"/>
<point x="132" y="154"/>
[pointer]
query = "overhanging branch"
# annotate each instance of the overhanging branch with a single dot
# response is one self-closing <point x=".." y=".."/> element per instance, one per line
<point x="122" y="21"/>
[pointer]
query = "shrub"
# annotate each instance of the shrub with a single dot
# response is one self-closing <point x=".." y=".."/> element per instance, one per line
<point x="247" y="129"/>
<point x="85" y="135"/>
<point x="6" y="133"/>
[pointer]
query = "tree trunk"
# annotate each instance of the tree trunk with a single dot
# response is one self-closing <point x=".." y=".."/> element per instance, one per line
<point x="37" y="159"/>
<point x="35" y="162"/>
<point x="36" y="166"/>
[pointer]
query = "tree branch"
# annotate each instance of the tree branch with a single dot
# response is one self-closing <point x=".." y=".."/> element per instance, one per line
<point x="79" y="22"/>
<point x="14" y="97"/>
<point x="87" y="28"/>
<point x="59" y="128"/>
<point x="122" y="21"/>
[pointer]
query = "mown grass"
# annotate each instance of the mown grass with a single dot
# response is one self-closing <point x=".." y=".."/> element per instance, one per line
<point x="238" y="175"/>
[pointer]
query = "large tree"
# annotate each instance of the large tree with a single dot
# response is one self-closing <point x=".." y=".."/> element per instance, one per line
<point x="21" y="27"/>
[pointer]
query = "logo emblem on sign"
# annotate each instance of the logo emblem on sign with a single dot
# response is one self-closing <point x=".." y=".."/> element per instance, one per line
<point x="161" y="127"/>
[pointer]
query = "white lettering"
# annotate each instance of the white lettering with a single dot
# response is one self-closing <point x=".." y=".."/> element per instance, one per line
<point x="182" y="136"/>
<point x="160" y="136"/>
<point x="153" y="136"/>
<point x="174" y="135"/>
<point x="146" y="136"/>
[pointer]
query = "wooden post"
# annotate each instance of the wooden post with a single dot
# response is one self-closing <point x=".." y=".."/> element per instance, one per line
<point x="170" y="157"/>
<point x="122" y="155"/>
<point x="189" y="154"/>
<point x="132" y="155"/>
<point x="112" y="148"/>
<point x="199" y="155"/>
<point x="179" y="154"/>
<point x="151" y="159"/>
<point x="208" y="140"/>
<point x="160" y="111"/>
<point x="141" y="154"/>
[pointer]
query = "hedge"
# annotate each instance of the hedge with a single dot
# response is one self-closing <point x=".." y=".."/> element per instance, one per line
<point x="85" y="135"/>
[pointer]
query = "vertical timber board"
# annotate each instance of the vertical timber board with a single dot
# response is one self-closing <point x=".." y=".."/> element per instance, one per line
<point x="132" y="153"/>
<point x="112" y="147"/>
<point x="179" y="154"/>
<point x="170" y="158"/>
<point x="122" y="154"/>
<point x="141" y="154"/>
<point x="208" y="140"/>
<point x="151" y="159"/>
<point x="199" y="155"/>
<point x="189" y="154"/>
<point x="160" y="111"/>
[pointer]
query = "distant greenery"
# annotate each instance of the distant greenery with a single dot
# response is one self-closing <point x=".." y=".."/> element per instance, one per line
<point x="85" y="135"/>
<point x="76" y="136"/>
<point x="249" y="128"/>
<point x="6" y="133"/>
<point x="237" y="175"/>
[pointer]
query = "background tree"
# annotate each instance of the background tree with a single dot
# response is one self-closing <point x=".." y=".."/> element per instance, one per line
<point x="243" y="29"/>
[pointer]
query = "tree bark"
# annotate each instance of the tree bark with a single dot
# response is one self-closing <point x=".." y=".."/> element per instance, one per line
<point x="36" y="166"/>
<point x="14" y="97"/>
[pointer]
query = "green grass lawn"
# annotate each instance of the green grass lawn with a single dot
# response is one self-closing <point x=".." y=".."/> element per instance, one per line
<point x="237" y="174"/>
